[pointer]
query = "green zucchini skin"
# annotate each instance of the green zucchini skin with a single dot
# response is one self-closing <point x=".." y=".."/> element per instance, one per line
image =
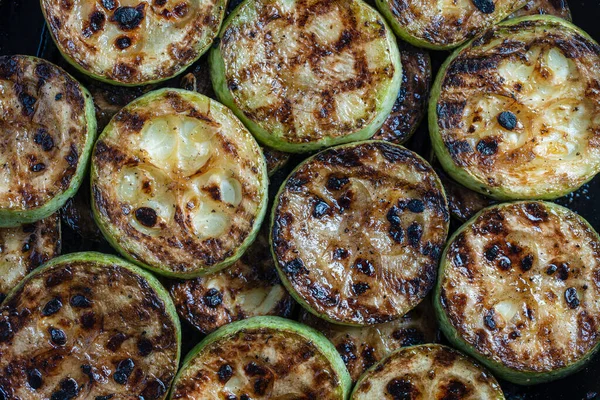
<point x="55" y="93"/>
<point x="490" y="223"/>
<point x="348" y="302"/>
<point x="68" y="279"/>
<point x="336" y="386"/>
<point x="430" y="371"/>
<point x="490" y="170"/>
<point x="195" y="251"/>
<point x="132" y="51"/>
<point x="284" y="125"/>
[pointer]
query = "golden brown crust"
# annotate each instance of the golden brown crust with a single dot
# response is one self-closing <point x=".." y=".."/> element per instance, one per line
<point x="358" y="229"/>
<point x="521" y="284"/>
<point x="84" y="322"/>
<point x="133" y="42"/>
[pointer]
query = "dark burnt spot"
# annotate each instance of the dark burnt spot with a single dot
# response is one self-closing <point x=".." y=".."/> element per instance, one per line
<point x="233" y="85"/>
<point x="6" y="330"/>
<point x="57" y="336"/>
<point x="393" y="217"/>
<point x="43" y="139"/>
<point x="572" y="298"/>
<point x="225" y="373"/>
<point x="80" y="301"/>
<point x="364" y="266"/>
<point x="58" y="97"/>
<point x="70" y="387"/>
<point x="458" y="147"/>
<point x="487" y="146"/>
<point x="260" y="386"/>
<point x="72" y="157"/>
<point x="507" y="120"/>
<point x="336" y="183"/>
<point x="551" y="269"/>
<point x="109" y="4"/>
<point x="504" y="263"/>
<point x="416" y="206"/>
<point x="115" y="342"/>
<point x="133" y="122"/>
<point x="514" y="335"/>
<point x="60" y="395"/>
<point x="124" y="71"/>
<point x="295" y="267"/>
<point x="253" y="369"/>
<point x="347" y="350"/>
<point x="485" y="6"/>
<point x="8" y="67"/>
<point x="58" y="277"/>
<point x="88" y="320"/>
<point x="38" y="167"/>
<point x="360" y="288"/>
<point x="345" y="201"/>
<point x="393" y="154"/>
<point x="213" y="298"/>
<point x="527" y="263"/>
<point x="342" y="157"/>
<point x="536" y="212"/>
<point x="323" y="295"/>
<point x="344" y="40"/>
<point x="123" y="371"/>
<point x="52" y="307"/>
<point x="445" y="358"/>
<point x="489" y="321"/>
<point x="471" y="65"/>
<point x="26" y="247"/>
<point x="396" y="233"/>
<point x="491" y="222"/>
<point x="34" y="378"/>
<point x="181" y="10"/>
<point x="27" y="103"/>
<point x="340" y="254"/>
<point x="106" y="397"/>
<point x="214" y="192"/>
<point x="159" y="3"/>
<point x="409" y="336"/>
<point x="455" y="390"/>
<point x="492" y="252"/>
<point x="320" y="208"/>
<point x="129" y="18"/>
<point x="401" y="389"/>
<point x="123" y="42"/>
<point x="155" y="389"/>
<point x="44" y="72"/>
<point x="563" y="271"/>
<point x="368" y="355"/>
<point x="146" y="216"/>
<point x="414" y="233"/>
<point x="96" y="23"/>
<point x="145" y="347"/>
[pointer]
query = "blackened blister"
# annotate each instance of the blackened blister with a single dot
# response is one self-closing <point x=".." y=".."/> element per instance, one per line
<point x="485" y="6"/>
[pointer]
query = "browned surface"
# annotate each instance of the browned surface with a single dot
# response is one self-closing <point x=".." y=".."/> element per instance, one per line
<point x="358" y="231"/>
<point x="559" y="8"/>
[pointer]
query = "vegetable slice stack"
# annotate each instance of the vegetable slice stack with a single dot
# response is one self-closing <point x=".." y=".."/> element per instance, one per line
<point x="48" y="128"/>
<point x="178" y="184"/>
<point x="518" y="289"/>
<point x="307" y="75"/>
<point x="88" y="325"/>
<point x="357" y="231"/>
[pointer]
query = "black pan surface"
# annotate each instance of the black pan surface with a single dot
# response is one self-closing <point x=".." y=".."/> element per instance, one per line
<point x="22" y="31"/>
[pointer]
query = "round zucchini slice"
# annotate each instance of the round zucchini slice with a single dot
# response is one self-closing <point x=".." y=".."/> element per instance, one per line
<point x="24" y="248"/>
<point x="518" y="289"/>
<point x="558" y="8"/>
<point x="48" y="128"/>
<point x="442" y="25"/>
<point x="411" y="102"/>
<point x="430" y="371"/>
<point x="515" y="114"/>
<point x="357" y="232"/>
<point x="88" y="325"/>
<point x="307" y="75"/>
<point x="263" y="358"/>
<point x="362" y="347"/>
<point x="179" y="185"/>
<point x="248" y="288"/>
<point x="133" y="42"/>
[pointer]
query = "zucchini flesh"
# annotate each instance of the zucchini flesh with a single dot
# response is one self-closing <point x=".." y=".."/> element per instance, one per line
<point x="88" y="325"/>
<point x="357" y="231"/>
<point x="558" y="8"/>
<point x="306" y="75"/>
<point x="426" y="372"/>
<point x="178" y="184"/>
<point x="263" y="358"/>
<point x="48" y="128"/>
<point x="411" y="102"/>
<point x="248" y="288"/>
<point x="444" y="24"/>
<point x="362" y="347"/>
<point x="133" y="42"/>
<point x="518" y="290"/>
<point x="24" y="248"/>
<point x="515" y="113"/>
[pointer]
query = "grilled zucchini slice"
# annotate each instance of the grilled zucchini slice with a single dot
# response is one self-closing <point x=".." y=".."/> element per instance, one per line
<point x="24" y="248"/>
<point x="306" y="75"/>
<point x="88" y="325"/>
<point x="357" y="231"/>
<point x="248" y="288"/>
<point x="558" y="8"/>
<point x="48" y="128"/>
<point x="411" y="102"/>
<point x="515" y="114"/>
<point x="263" y="358"/>
<point x="133" y="42"/>
<point x="518" y="289"/>
<point x="362" y="347"/>
<point x="443" y="25"/>
<point x="179" y="185"/>
<point x="429" y="371"/>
